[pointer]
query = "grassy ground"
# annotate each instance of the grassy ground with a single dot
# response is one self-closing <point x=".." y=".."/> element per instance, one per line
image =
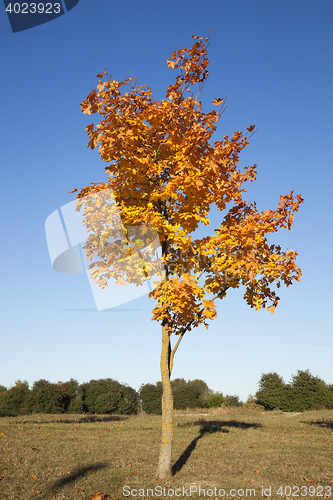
<point x="75" y="456"/>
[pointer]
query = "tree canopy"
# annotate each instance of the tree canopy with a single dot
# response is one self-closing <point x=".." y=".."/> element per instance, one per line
<point x="165" y="172"/>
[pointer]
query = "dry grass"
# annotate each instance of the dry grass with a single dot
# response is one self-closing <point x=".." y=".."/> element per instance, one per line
<point x="74" y="456"/>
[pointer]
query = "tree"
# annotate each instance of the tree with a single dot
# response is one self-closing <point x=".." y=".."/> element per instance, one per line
<point x="272" y="391"/>
<point x="215" y="399"/>
<point x="109" y="396"/>
<point x="151" y="397"/>
<point x="46" y="397"/>
<point x="309" y="392"/>
<point x="232" y="401"/>
<point x="15" y="399"/>
<point x="165" y="173"/>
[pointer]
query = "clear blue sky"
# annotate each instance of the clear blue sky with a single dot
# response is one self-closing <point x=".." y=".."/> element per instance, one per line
<point x="273" y="60"/>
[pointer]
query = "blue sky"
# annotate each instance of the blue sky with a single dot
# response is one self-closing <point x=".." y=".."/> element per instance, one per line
<point x="273" y="61"/>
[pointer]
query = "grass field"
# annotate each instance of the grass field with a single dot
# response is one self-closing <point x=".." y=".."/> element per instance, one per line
<point x="237" y="450"/>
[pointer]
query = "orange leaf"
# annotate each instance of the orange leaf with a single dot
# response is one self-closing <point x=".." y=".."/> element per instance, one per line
<point x="217" y="101"/>
<point x="97" y="496"/>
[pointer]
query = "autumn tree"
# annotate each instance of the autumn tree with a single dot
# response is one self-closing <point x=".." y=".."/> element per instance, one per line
<point x="165" y="173"/>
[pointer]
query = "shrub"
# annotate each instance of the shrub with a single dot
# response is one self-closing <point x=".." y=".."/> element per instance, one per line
<point x="129" y="402"/>
<point x="185" y="395"/>
<point x="72" y="391"/>
<point x="109" y="396"/>
<point x="309" y="392"/>
<point x="232" y="401"/>
<point x="15" y="399"/>
<point x="271" y="393"/>
<point x="191" y="394"/>
<point x="305" y="392"/>
<point x="215" y="400"/>
<point x="76" y="405"/>
<point x="151" y="398"/>
<point x="48" y="398"/>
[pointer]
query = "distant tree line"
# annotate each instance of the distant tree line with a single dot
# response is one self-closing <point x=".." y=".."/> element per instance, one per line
<point x="191" y="394"/>
<point x="106" y="396"/>
<point x="304" y="392"/>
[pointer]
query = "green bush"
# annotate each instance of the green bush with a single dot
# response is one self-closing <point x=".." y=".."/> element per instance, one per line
<point x="15" y="399"/>
<point x="109" y="396"/>
<point x="48" y="398"/>
<point x="271" y="393"/>
<point x="309" y="392"/>
<point x="76" y="405"/>
<point x="305" y="392"/>
<point x="191" y="394"/>
<point x="185" y="395"/>
<point x="215" y="400"/>
<point x="232" y="401"/>
<point x="129" y="402"/>
<point x="203" y="392"/>
<point x="74" y="392"/>
<point x="151" y="398"/>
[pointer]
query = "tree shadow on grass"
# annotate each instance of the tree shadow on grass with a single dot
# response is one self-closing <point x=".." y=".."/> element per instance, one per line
<point x="74" y="476"/>
<point x="323" y="422"/>
<point x="207" y="427"/>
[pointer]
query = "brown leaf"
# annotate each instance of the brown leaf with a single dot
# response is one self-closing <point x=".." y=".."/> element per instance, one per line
<point x="308" y="480"/>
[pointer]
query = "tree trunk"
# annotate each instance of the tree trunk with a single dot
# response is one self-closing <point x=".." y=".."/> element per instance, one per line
<point x="164" y="465"/>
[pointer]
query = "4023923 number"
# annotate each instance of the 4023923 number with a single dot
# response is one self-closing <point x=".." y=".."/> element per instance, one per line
<point x="304" y="491"/>
<point x="34" y="8"/>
